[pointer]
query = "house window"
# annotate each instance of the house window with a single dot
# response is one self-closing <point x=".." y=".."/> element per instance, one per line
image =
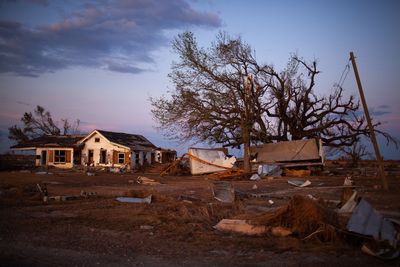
<point x="97" y="140"/>
<point x="121" y="158"/>
<point x="59" y="156"/>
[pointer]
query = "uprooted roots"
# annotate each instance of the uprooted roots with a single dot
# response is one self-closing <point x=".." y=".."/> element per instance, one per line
<point x="305" y="217"/>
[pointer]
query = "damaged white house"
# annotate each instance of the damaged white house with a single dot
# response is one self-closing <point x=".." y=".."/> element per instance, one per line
<point x="104" y="148"/>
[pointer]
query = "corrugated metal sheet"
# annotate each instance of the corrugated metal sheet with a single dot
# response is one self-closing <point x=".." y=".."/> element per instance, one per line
<point x="367" y="221"/>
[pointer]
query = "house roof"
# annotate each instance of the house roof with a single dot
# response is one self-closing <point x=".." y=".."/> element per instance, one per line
<point x="133" y="141"/>
<point x="51" y="141"/>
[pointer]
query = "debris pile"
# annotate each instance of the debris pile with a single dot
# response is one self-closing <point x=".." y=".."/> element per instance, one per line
<point x="304" y="217"/>
<point x="146" y="181"/>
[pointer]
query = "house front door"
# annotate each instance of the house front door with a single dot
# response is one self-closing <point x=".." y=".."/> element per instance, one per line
<point x="103" y="156"/>
<point x="44" y="158"/>
<point x="90" y="158"/>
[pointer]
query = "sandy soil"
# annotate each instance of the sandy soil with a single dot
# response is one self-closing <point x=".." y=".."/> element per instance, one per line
<point x="170" y="231"/>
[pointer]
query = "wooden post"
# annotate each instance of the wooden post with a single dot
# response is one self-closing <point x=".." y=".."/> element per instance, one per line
<point x="381" y="170"/>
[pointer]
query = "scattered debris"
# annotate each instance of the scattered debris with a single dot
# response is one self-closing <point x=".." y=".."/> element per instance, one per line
<point x="244" y="194"/>
<point x="347" y="192"/>
<point x="88" y="194"/>
<point x="255" y="177"/>
<point x="67" y="198"/>
<point x="348" y="181"/>
<point x="380" y="250"/>
<point x="51" y="182"/>
<point x="271" y="202"/>
<point x="189" y="199"/>
<point x="223" y="191"/>
<point x="90" y="174"/>
<point x="255" y="187"/>
<point x="299" y="183"/>
<point x="114" y="170"/>
<point x="349" y="205"/>
<point x="146" y="200"/>
<point x="179" y="167"/>
<point x="43" y="191"/>
<point x="146" y="181"/>
<point x="63" y="198"/>
<point x="312" y="197"/>
<point x="240" y="226"/>
<point x="269" y="170"/>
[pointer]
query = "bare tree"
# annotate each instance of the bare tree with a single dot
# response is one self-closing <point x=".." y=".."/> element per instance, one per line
<point x="355" y="152"/>
<point x="223" y="95"/>
<point x="38" y="123"/>
<point x="217" y="93"/>
<point x="301" y="113"/>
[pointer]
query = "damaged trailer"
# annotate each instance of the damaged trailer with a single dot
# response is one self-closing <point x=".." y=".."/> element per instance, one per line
<point x="208" y="160"/>
<point x="307" y="152"/>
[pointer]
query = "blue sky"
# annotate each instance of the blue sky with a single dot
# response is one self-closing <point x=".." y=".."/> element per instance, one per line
<point x="100" y="61"/>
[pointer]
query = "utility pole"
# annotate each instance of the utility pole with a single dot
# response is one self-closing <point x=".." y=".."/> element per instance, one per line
<point x="381" y="170"/>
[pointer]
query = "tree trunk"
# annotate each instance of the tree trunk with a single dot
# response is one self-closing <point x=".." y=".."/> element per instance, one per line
<point x="246" y="150"/>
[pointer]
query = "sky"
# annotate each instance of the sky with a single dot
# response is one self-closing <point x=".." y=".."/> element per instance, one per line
<point x="101" y="61"/>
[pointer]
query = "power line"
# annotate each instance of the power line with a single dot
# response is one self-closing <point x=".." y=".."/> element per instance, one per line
<point x="343" y="77"/>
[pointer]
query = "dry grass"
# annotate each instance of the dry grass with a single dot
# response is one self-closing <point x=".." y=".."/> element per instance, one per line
<point x="304" y="217"/>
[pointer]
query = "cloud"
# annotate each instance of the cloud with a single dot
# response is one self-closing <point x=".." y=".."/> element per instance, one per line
<point x="124" y="68"/>
<point x="376" y="111"/>
<point x="23" y="103"/>
<point x="383" y="107"/>
<point x="380" y="110"/>
<point x="118" y="35"/>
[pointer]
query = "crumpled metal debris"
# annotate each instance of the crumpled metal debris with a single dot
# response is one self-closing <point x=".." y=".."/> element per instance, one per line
<point x="146" y="200"/>
<point x="223" y="191"/>
<point x="299" y="183"/>
<point x="367" y="221"/>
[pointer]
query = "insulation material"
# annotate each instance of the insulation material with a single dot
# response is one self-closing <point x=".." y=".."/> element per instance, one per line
<point x="298" y="150"/>
<point x="204" y="160"/>
<point x="240" y="226"/>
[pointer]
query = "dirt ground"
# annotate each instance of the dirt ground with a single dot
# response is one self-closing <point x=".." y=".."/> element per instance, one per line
<point x="176" y="229"/>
